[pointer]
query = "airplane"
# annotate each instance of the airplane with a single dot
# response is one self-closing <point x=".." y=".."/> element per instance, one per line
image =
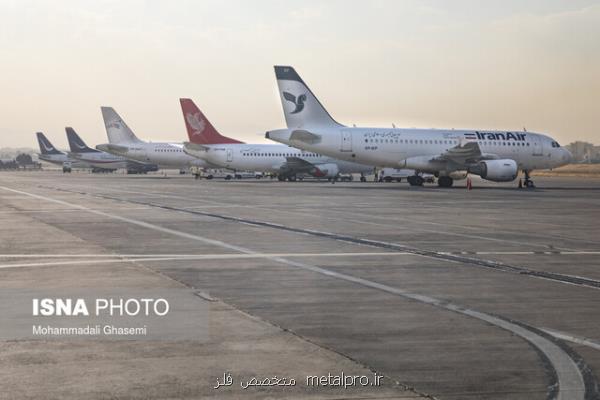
<point x="449" y="154"/>
<point x="123" y="142"/>
<point x="285" y="161"/>
<point x="102" y="160"/>
<point x="51" y="154"/>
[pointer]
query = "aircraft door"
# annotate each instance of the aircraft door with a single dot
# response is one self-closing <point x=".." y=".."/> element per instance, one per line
<point x="346" y="144"/>
<point x="537" y="144"/>
<point x="229" y="155"/>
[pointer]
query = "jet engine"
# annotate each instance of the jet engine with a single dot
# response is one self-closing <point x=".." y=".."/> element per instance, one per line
<point x="325" y="171"/>
<point x="496" y="170"/>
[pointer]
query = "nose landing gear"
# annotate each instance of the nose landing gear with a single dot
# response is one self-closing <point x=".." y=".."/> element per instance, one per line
<point x="528" y="182"/>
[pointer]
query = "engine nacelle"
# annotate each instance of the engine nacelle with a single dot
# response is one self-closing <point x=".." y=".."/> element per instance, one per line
<point x="325" y="171"/>
<point x="497" y="170"/>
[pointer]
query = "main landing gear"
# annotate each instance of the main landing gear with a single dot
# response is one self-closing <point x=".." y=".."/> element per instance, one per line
<point x="528" y="183"/>
<point x="445" y="181"/>
<point x="290" y="178"/>
<point x="415" y="180"/>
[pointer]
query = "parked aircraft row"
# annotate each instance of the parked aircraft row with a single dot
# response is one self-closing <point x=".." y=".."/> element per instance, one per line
<point x="82" y="156"/>
<point x="314" y="143"/>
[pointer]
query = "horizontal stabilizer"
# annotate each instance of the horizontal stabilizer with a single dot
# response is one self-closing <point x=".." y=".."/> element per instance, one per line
<point x="304" y="136"/>
<point x="113" y="148"/>
<point x="195" y="146"/>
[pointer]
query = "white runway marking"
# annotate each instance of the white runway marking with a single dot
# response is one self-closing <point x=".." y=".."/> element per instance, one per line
<point x="62" y="210"/>
<point x="108" y="259"/>
<point x="353" y="219"/>
<point x="390" y="253"/>
<point x="570" y="380"/>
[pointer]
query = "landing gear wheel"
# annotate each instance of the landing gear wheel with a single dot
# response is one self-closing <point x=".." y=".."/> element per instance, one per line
<point x="445" y="181"/>
<point x="415" y="180"/>
<point x="528" y="182"/>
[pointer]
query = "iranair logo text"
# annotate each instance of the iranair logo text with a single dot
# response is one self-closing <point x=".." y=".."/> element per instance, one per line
<point x="501" y="136"/>
<point x="298" y="101"/>
<point x="196" y="123"/>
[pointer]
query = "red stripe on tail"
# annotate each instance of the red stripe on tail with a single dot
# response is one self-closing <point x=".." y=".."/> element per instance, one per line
<point x="199" y="128"/>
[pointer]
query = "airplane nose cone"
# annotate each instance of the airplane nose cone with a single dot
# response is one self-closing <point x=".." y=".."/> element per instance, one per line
<point x="267" y="135"/>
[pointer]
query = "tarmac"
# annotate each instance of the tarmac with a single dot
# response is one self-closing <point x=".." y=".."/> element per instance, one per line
<point x="489" y="293"/>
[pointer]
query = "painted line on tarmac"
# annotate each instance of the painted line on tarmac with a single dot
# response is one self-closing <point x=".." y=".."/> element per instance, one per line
<point x="572" y="338"/>
<point x="272" y="209"/>
<point x="455" y="258"/>
<point x="346" y="254"/>
<point x="566" y="378"/>
<point x="200" y="257"/>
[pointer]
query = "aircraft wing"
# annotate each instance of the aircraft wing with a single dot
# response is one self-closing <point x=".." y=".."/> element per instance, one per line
<point x="298" y="164"/>
<point x="465" y="154"/>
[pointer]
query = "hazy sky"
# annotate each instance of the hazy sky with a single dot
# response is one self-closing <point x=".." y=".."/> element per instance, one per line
<point x="463" y="64"/>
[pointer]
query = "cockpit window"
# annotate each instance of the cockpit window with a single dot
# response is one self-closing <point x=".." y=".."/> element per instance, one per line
<point x="555" y="144"/>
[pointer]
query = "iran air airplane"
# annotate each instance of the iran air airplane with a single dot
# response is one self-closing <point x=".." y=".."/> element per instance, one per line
<point x="100" y="159"/>
<point x="51" y="154"/>
<point x="285" y="161"/>
<point x="123" y="142"/>
<point x="447" y="153"/>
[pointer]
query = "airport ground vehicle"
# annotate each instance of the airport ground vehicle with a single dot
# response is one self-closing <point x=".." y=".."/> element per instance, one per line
<point x="399" y="174"/>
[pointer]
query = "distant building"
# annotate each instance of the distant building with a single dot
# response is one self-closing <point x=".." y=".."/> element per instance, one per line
<point x="584" y="152"/>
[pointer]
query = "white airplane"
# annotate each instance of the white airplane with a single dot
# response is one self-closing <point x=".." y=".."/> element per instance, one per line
<point x="285" y="161"/>
<point x="51" y="154"/>
<point x="447" y="153"/>
<point x="103" y="160"/>
<point x="123" y="142"/>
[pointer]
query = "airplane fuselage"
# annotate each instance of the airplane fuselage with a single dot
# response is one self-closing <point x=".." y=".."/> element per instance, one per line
<point x="165" y="155"/>
<point x="60" y="159"/>
<point x="102" y="160"/>
<point x="267" y="157"/>
<point x="416" y="148"/>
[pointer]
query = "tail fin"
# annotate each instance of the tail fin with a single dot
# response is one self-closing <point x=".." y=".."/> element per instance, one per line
<point x="45" y="146"/>
<point x="199" y="128"/>
<point x="116" y="129"/>
<point x="76" y="144"/>
<point x="301" y="107"/>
